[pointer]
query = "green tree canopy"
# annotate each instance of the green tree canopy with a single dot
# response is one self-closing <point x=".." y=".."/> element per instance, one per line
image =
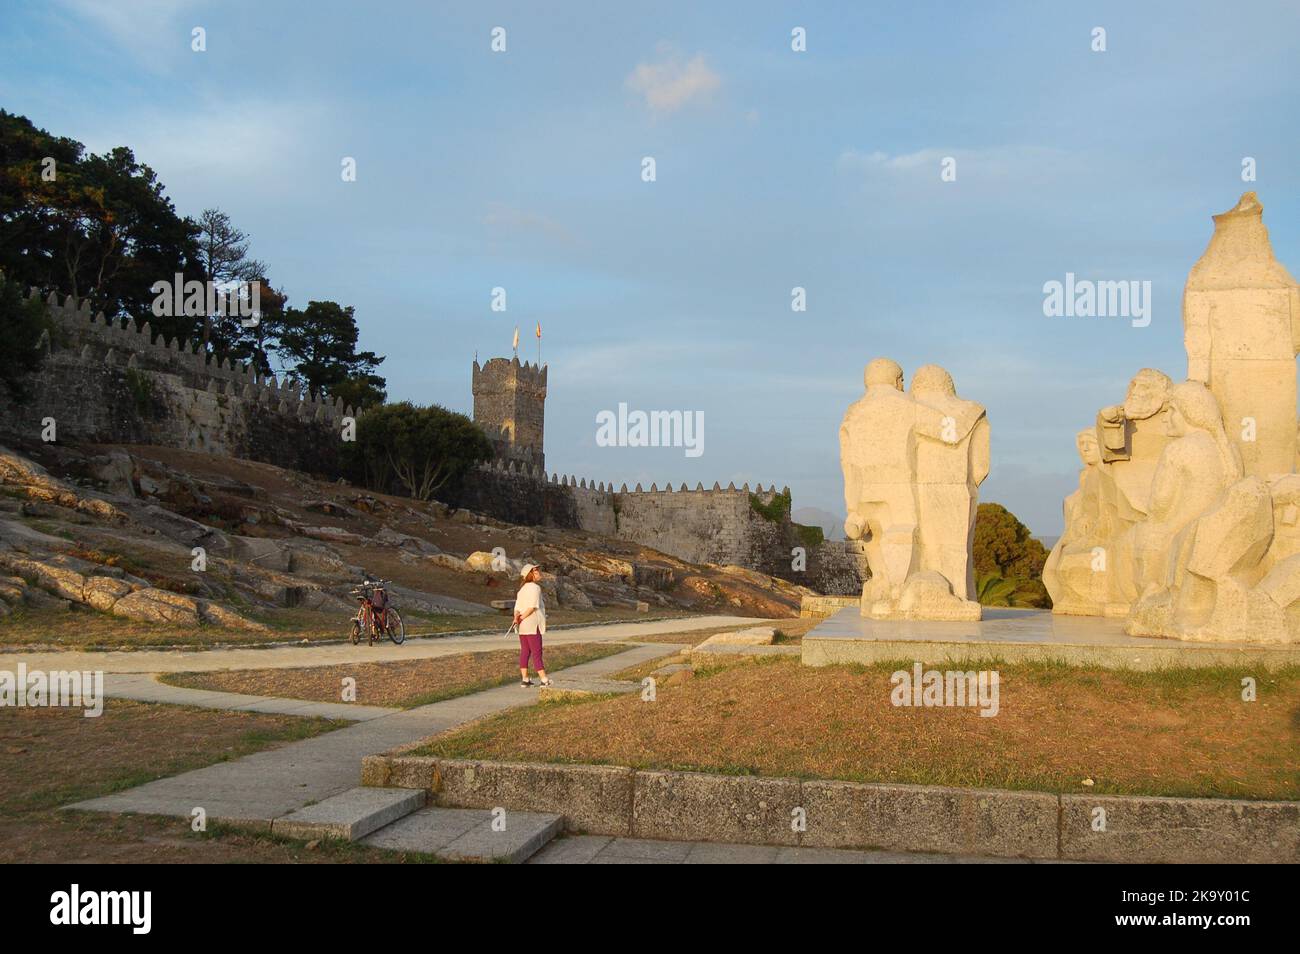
<point x="99" y="227"/>
<point x="1004" y="549"/>
<point x="22" y="323"/>
<point x="319" y="345"/>
<point x="423" y="448"/>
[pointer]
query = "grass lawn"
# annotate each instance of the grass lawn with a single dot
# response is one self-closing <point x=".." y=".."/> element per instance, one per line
<point x="53" y="757"/>
<point x="1179" y="732"/>
<point x="405" y="684"/>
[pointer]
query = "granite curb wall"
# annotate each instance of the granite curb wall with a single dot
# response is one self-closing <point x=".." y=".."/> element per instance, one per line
<point x="621" y="801"/>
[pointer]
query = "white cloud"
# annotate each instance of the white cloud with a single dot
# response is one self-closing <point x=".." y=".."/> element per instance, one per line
<point x="671" y="83"/>
<point x="149" y="28"/>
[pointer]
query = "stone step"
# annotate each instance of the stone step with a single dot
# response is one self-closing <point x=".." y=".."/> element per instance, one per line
<point x="350" y="815"/>
<point x="570" y="686"/>
<point x="467" y="834"/>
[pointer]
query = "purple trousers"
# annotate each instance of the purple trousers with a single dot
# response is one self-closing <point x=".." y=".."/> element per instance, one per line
<point x="531" y="644"/>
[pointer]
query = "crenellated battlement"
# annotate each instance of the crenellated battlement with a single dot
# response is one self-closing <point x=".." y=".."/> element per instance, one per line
<point x="97" y="338"/>
<point x="531" y="472"/>
<point x="525" y="374"/>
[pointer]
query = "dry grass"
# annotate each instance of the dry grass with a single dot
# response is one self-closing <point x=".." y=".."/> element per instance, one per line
<point x="53" y="757"/>
<point x="405" y="684"/>
<point x="641" y="670"/>
<point x="1181" y="732"/>
<point x="59" y="837"/>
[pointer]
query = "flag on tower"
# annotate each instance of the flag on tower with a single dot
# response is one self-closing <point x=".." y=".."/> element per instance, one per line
<point x="539" y="329"/>
<point x="516" y="345"/>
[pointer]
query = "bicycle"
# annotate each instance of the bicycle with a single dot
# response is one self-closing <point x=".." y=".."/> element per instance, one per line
<point x="376" y="616"/>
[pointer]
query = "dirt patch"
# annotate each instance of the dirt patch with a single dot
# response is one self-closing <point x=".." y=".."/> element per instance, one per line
<point x="1183" y="732"/>
<point x="404" y="684"/>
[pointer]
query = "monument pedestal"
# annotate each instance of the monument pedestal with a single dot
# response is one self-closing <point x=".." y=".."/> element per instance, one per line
<point x="1016" y="635"/>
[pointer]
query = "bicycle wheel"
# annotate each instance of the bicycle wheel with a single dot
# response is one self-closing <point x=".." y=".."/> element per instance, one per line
<point x="396" y="628"/>
<point x="356" y="631"/>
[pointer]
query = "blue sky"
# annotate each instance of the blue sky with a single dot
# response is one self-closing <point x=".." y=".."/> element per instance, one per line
<point x="775" y="169"/>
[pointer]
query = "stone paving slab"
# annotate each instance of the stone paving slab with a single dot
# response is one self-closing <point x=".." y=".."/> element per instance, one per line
<point x="572" y="850"/>
<point x="429" y="830"/>
<point x="524" y="835"/>
<point x="1019" y="635"/>
<point x="563" y="688"/>
<point x="465" y="834"/>
<point x="350" y="815"/>
<point x="602" y="849"/>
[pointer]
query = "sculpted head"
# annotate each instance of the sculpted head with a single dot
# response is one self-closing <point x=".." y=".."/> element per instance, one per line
<point x="932" y="379"/>
<point x="1147" y="394"/>
<point x="1192" y="408"/>
<point x="883" y="373"/>
<point x="1089" y="448"/>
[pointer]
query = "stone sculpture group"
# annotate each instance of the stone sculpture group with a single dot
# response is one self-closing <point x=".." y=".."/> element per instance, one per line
<point x="913" y="462"/>
<point x="1186" y="521"/>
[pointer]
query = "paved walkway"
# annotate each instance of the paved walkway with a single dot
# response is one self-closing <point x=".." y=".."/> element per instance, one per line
<point x="292" y="657"/>
<point x="265" y="785"/>
<point x="145" y="688"/>
<point x="268" y="785"/>
<point x="602" y="850"/>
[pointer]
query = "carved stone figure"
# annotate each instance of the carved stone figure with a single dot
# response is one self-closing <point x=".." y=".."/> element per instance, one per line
<point x="1205" y="543"/>
<point x="1241" y="328"/>
<point x="952" y="460"/>
<point x="1076" y="572"/>
<point x="1194" y="470"/>
<point x="876" y="455"/>
<point x="1132" y="436"/>
<point x="912" y="464"/>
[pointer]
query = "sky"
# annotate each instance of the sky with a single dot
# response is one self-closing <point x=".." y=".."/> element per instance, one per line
<point x="819" y="169"/>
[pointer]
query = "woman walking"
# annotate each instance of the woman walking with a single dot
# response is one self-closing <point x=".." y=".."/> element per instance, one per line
<point x="530" y="617"/>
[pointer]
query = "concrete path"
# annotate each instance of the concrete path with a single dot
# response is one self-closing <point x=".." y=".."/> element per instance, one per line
<point x="145" y="688"/>
<point x="602" y="850"/>
<point x="261" y="787"/>
<point x="291" y="657"/>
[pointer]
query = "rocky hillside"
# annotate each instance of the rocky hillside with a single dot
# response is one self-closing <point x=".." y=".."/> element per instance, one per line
<point x="163" y="537"/>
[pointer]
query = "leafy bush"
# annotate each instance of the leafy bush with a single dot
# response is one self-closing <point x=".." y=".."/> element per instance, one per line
<point x="423" y="448"/>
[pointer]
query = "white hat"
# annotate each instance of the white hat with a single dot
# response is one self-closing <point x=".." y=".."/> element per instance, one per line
<point x="528" y="568"/>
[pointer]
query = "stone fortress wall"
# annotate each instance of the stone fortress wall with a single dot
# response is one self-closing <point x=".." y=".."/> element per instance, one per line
<point x="106" y="381"/>
<point x="699" y="526"/>
<point x="109" y="382"/>
<point x="718" y="525"/>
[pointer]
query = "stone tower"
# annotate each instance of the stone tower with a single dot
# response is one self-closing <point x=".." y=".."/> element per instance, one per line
<point x="509" y="404"/>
